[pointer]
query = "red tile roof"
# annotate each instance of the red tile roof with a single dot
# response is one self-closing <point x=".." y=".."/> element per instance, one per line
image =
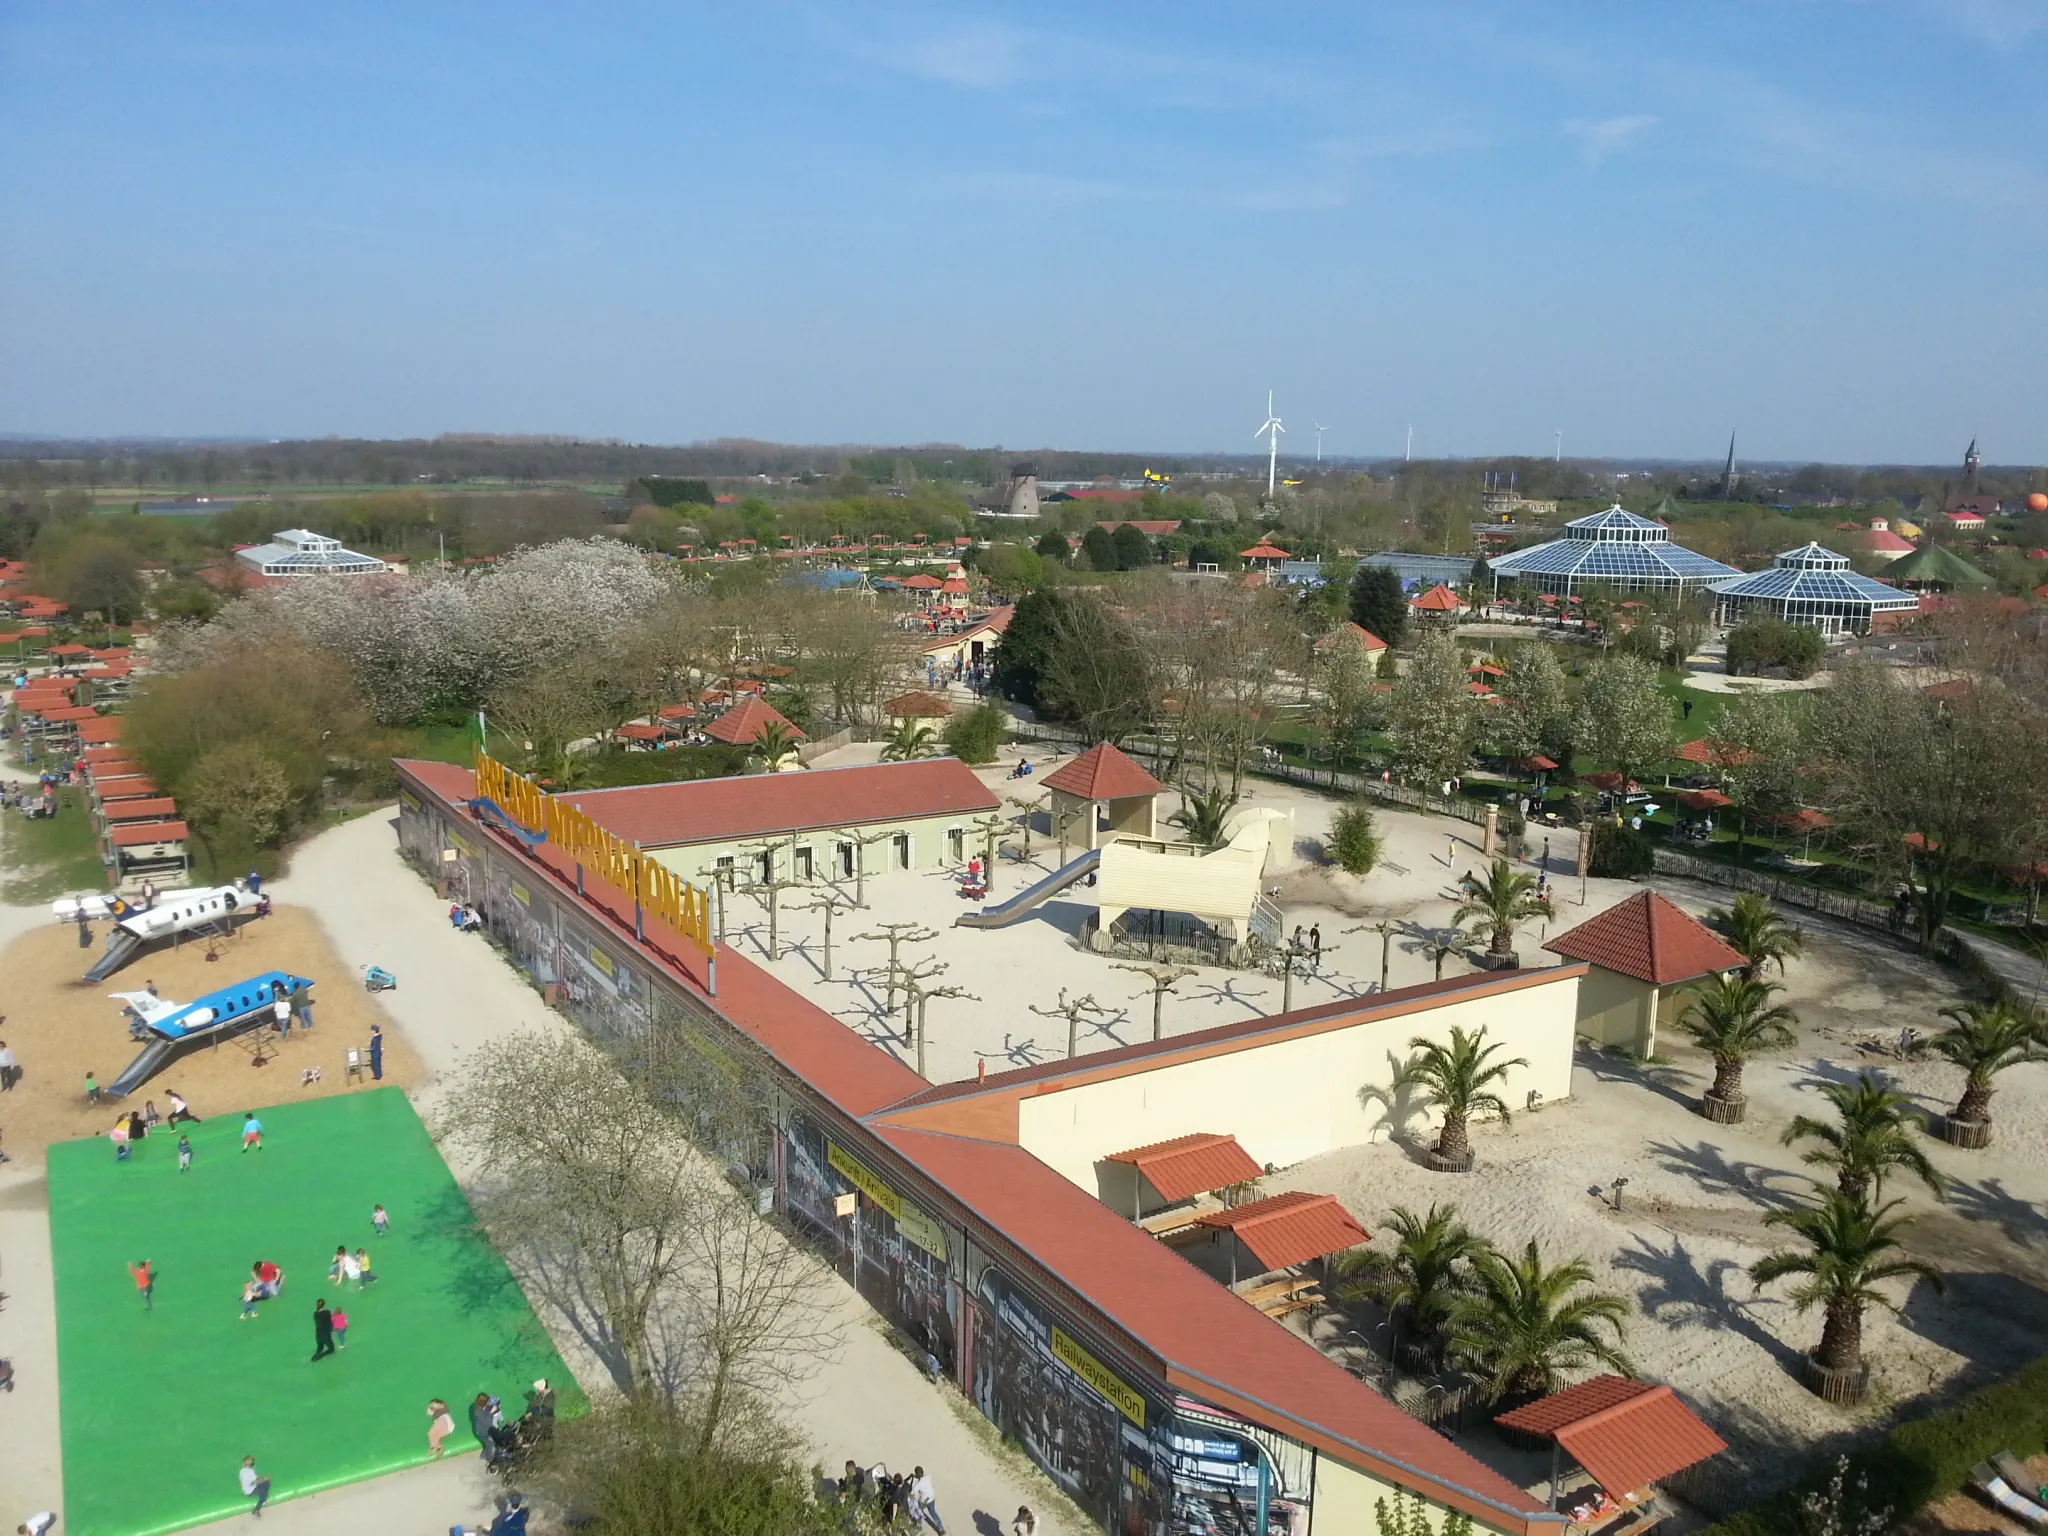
<point x="1285" y="1230"/>
<point x="1707" y="755"/>
<point x="1206" y="1341"/>
<point x="1264" y="551"/>
<point x="1704" y="800"/>
<point x="67" y="714"/>
<point x="1103" y="773"/>
<point x="923" y="581"/>
<point x="1648" y="938"/>
<point x="1438" y="599"/>
<point x="157" y="809"/>
<point x="678" y="712"/>
<point x="1193" y="1165"/>
<point x="134" y="787"/>
<point x="917" y="706"/>
<point x="1350" y="631"/>
<point x="741" y="726"/>
<point x="954" y="586"/>
<point x="639" y="731"/>
<point x="94" y="756"/>
<point x="99" y="732"/>
<point x="1628" y="1434"/>
<point x="148" y="832"/>
<point x="720" y="810"/>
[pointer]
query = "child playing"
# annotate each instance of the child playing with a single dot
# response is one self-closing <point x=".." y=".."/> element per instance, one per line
<point x="363" y="1268"/>
<point x="351" y="1267"/>
<point x="334" y="1269"/>
<point x="251" y="1294"/>
<point x="184" y="1154"/>
<point x="378" y="1220"/>
<point x="252" y="1131"/>
<point x="119" y="1136"/>
<point x="340" y="1328"/>
<point x="92" y="1089"/>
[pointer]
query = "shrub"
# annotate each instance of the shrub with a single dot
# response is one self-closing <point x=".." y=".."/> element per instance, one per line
<point x="1355" y="839"/>
<point x="1926" y="1458"/>
<point x="1620" y="852"/>
<point x="974" y="736"/>
<point x="1762" y="643"/>
<point x="612" y="770"/>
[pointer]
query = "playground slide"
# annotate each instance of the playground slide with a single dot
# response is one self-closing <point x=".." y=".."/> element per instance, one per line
<point x="121" y="947"/>
<point x="143" y="1067"/>
<point x="1008" y="912"/>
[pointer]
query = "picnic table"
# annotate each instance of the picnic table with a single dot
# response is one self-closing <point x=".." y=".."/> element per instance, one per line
<point x="1280" y="1298"/>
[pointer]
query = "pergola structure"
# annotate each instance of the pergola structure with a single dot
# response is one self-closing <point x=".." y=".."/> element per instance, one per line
<point x="1282" y="1231"/>
<point x="1183" y="1168"/>
<point x="1625" y="1434"/>
<point x="1101" y="776"/>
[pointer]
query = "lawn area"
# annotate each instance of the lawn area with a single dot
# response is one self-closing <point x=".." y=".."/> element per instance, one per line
<point x="47" y="859"/>
<point x="1706" y="707"/>
<point x="160" y="1406"/>
<point x="435" y="743"/>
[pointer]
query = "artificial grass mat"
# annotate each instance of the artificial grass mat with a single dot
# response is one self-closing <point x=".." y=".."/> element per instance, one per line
<point x="160" y="1407"/>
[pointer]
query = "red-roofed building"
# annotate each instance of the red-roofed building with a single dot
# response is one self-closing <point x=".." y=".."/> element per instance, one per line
<point x="1283" y="1231"/>
<point x="971" y="646"/>
<point x="1101" y="777"/>
<point x="1438" y="602"/>
<point x="1263" y="556"/>
<point x="917" y="706"/>
<point x="99" y="733"/>
<point x="1638" y="948"/>
<point x="151" y="851"/>
<point x="742" y="725"/>
<point x="1042" y="1303"/>
<point x="1348" y="633"/>
<point x="1180" y="1168"/>
<point x="1627" y="1434"/>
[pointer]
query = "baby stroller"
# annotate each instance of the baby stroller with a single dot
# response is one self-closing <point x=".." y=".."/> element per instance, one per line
<point x="377" y="979"/>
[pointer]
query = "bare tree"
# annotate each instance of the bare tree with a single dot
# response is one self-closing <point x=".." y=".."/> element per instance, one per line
<point x="1072" y="1013"/>
<point x="896" y="935"/>
<point x="831" y="901"/>
<point x="772" y="881"/>
<point x="916" y="995"/>
<point x="1164" y="978"/>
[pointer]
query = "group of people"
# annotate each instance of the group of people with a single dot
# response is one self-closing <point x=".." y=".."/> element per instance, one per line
<point x="1312" y="941"/>
<point x="502" y="1442"/>
<point x="906" y="1498"/>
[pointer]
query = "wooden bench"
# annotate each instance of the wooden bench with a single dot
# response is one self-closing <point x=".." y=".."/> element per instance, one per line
<point x="1277" y="1298"/>
<point x="1173" y="1226"/>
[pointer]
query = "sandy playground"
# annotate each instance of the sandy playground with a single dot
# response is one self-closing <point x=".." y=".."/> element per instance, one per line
<point x="59" y="1029"/>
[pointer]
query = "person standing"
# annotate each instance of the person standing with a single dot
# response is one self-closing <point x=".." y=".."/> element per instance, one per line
<point x="379" y="1222"/>
<point x="280" y="1011"/>
<point x="482" y="1420"/>
<point x="145" y="1283"/>
<point x="323" y="1329"/>
<point x="252" y="1131"/>
<point x="255" y="883"/>
<point x="1026" y="1523"/>
<point x="8" y="1071"/>
<point x="254" y="1486"/>
<point x="924" y="1501"/>
<point x="84" y="930"/>
<point x="92" y="1089"/>
<point x="377" y="1053"/>
<point x="340" y="1328"/>
<point x="1315" y="947"/>
<point x="184" y="1153"/>
<point x="364" y="1273"/>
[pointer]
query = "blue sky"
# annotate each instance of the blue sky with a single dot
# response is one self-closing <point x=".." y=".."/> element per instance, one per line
<point x="1821" y="223"/>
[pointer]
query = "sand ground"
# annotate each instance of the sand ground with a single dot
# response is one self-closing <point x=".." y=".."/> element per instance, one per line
<point x="60" y="1028"/>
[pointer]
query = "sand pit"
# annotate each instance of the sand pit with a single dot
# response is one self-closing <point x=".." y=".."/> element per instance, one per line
<point x="59" y="1029"/>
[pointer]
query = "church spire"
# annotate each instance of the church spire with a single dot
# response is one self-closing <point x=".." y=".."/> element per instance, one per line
<point x="1970" y="464"/>
<point x="1728" y="471"/>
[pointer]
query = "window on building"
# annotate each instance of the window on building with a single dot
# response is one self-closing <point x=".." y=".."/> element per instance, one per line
<point x="846" y="861"/>
<point x="956" y="844"/>
<point x="805" y="866"/>
<point x="724" y="868"/>
<point x="765" y="866"/>
<point x="901" y="844"/>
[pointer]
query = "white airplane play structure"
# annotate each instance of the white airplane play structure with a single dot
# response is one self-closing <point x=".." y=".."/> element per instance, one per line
<point x="180" y="913"/>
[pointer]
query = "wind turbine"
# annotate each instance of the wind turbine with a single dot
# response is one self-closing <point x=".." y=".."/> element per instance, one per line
<point x="1409" y="451"/>
<point x="1271" y="432"/>
<point x="1320" y="430"/>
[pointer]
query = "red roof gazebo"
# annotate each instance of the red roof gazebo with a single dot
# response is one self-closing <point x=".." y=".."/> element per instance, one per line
<point x="1102" y="776"/>
<point x="1626" y="1434"/>
<point x="1638" y="947"/>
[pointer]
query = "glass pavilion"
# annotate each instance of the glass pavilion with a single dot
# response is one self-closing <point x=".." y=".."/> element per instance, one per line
<point x="1810" y="585"/>
<point x="301" y="552"/>
<point x="1616" y="549"/>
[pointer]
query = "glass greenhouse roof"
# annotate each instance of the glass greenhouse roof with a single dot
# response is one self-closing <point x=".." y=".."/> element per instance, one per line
<point x="1815" y="575"/>
<point x="1614" y="546"/>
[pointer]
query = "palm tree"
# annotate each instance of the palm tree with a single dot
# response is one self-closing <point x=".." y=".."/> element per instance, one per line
<point x="1203" y="814"/>
<point x="1756" y="928"/>
<point x="1733" y="1019"/>
<point x="1523" y="1326"/>
<point x="910" y="739"/>
<point x="1422" y="1277"/>
<point x="1984" y="1039"/>
<point x="772" y="743"/>
<point x="1505" y="898"/>
<point x="1843" y="1264"/>
<point x="1456" y="1081"/>
<point x="1871" y="1136"/>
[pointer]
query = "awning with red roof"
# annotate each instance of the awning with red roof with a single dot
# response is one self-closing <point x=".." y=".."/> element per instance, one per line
<point x="641" y="732"/>
<point x="1289" y="1229"/>
<point x="1707" y="755"/>
<point x="1627" y="1434"/>
<point x="1193" y="1165"/>
<point x="143" y="833"/>
<point x="1805" y="819"/>
<point x="99" y="732"/>
<point x="1539" y="763"/>
<point x="162" y="808"/>
<point x="1704" y="800"/>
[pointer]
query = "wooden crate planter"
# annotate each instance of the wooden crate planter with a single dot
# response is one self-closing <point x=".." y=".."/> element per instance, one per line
<point x="1842" y="1388"/>
<point x="1973" y="1134"/>
<point x="1728" y="1111"/>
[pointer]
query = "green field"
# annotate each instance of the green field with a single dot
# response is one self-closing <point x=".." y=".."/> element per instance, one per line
<point x="47" y="859"/>
<point x="159" y="1407"/>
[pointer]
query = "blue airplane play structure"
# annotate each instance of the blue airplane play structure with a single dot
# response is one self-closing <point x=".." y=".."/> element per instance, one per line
<point x="169" y="1027"/>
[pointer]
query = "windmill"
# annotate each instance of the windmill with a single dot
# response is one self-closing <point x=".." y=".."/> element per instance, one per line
<point x="1320" y="430"/>
<point x="1271" y="431"/>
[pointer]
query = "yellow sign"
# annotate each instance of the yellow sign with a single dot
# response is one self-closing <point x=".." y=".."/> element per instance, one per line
<point x="601" y="960"/>
<point x="408" y="799"/>
<point x="660" y="893"/>
<point x="521" y="894"/>
<point x="921" y="1229"/>
<point x="1129" y="1403"/>
<point x="468" y="849"/>
<point x="862" y="1178"/>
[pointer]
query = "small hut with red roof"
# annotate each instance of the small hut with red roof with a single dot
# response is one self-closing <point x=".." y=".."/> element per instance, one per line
<point x="1639" y="950"/>
<point x="1102" y="777"/>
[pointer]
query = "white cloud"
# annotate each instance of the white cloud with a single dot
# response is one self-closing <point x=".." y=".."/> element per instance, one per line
<point x="1607" y="136"/>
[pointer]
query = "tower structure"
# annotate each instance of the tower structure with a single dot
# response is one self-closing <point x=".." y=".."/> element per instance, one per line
<point x="1971" y="464"/>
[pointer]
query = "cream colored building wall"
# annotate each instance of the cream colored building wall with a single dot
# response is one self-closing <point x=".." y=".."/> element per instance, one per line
<point x="1224" y="884"/>
<point x="1296" y="1098"/>
<point x="930" y="848"/>
<point x="1615" y="1010"/>
<point x="1345" y="1498"/>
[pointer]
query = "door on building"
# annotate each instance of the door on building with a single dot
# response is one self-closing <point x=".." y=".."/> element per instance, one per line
<point x="956" y="844"/>
<point x="901" y="844"/>
<point x="805" y="865"/>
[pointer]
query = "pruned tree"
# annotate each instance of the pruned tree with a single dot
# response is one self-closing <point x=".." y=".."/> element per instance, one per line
<point x="1073" y="1012"/>
<point x="774" y="874"/>
<point x="896" y="935"/>
<point x="1163" y="978"/>
<point x="917" y="993"/>
<point x="830" y="900"/>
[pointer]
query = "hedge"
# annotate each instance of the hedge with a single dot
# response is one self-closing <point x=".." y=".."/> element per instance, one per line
<point x="1923" y="1459"/>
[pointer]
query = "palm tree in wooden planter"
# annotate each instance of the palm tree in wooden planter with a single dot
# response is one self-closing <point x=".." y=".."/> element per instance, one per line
<point x="1871" y="1136"/>
<point x="1457" y="1081"/>
<point x="1850" y="1250"/>
<point x="1733" y="1019"/>
<point x="1506" y="898"/>
<point x="1419" y="1280"/>
<point x="1760" y="932"/>
<point x="1983" y="1039"/>
<point x="1524" y="1327"/>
